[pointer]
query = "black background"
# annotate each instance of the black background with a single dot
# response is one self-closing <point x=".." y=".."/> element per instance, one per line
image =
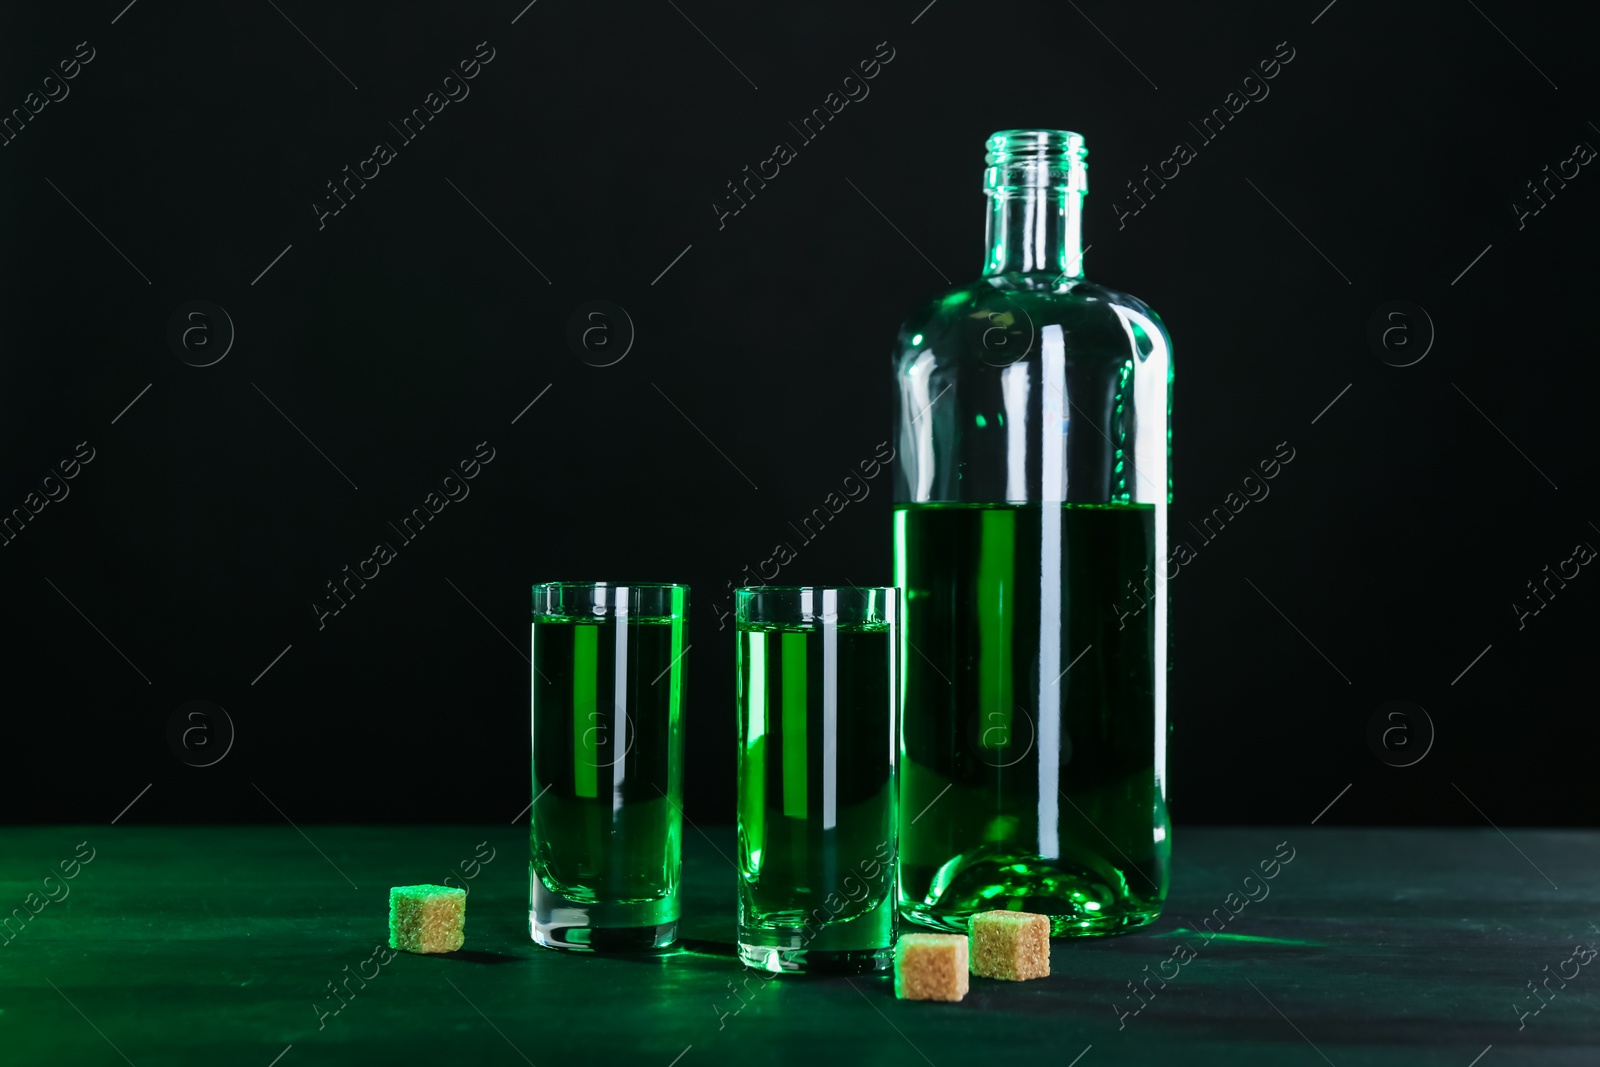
<point x="411" y="327"/>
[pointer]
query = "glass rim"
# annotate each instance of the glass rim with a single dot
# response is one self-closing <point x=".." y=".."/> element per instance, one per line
<point x="611" y="585"/>
<point x="634" y="601"/>
<point x="760" y="606"/>
<point x="747" y="589"/>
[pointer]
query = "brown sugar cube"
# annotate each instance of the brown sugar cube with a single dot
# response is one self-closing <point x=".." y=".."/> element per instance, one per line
<point x="1014" y="945"/>
<point x="930" y="967"/>
<point x="427" y="918"/>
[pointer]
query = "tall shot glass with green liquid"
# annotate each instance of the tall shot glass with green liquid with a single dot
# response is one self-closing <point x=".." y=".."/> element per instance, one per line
<point x="606" y="830"/>
<point x="817" y="704"/>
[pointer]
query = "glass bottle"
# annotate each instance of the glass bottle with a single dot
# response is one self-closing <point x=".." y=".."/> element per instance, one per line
<point x="1030" y="534"/>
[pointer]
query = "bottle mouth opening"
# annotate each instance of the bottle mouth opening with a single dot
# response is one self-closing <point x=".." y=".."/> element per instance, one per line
<point x="1024" y="159"/>
<point x="1036" y="146"/>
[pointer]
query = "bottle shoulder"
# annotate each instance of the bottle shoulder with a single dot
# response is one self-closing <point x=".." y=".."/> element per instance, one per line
<point x="1009" y="313"/>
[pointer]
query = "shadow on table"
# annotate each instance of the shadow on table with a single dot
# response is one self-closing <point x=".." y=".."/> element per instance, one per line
<point x="700" y="946"/>
<point x="684" y="950"/>
<point x="472" y="955"/>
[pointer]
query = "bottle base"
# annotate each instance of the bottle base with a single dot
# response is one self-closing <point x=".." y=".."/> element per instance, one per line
<point x="1103" y="924"/>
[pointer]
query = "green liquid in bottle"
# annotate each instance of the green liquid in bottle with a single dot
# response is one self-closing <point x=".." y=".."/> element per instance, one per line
<point x="1028" y="771"/>
<point x="816" y="797"/>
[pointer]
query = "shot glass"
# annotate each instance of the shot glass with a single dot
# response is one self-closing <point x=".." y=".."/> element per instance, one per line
<point x="817" y="704"/>
<point x="606" y="832"/>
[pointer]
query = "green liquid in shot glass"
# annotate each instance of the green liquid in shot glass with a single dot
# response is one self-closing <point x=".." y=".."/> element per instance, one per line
<point x="816" y="797"/>
<point x="606" y="827"/>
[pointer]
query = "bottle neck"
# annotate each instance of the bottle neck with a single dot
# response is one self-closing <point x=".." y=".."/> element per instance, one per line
<point x="1036" y="229"/>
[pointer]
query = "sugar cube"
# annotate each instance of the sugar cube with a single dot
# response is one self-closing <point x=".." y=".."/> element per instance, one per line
<point x="930" y="967"/>
<point x="427" y="918"/>
<point x="1014" y="945"/>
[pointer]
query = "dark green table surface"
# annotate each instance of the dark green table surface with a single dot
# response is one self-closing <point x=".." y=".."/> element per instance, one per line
<point x="212" y="945"/>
